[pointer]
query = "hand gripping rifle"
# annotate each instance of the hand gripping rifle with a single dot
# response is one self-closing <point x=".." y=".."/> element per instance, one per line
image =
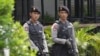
<point x="72" y="49"/>
<point x="40" y="52"/>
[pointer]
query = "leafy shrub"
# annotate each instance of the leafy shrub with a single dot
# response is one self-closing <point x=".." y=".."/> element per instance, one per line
<point x="6" y="8"/>
<point x="12" y="34"/>
<point x="19" y="42"/>
<point x="48" y="35"/>
<point x="87" y="42"/>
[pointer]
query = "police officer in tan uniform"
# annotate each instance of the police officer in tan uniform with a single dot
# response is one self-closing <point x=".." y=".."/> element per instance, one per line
<point x="63" y="35"/>
<point x="36" y="33"/>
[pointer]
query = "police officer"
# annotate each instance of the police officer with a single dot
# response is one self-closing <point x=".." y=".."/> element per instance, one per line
<point x="63" y="35"/>
<point x="36" y="34"/>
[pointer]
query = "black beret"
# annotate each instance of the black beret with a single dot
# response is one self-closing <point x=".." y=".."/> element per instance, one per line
<point x="35" y="9"/>
<point x="63" y="8"/>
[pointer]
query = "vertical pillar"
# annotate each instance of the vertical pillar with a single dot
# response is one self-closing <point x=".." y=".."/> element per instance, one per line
<point x="42" y="11"/>
<point x="82" y="8"/>
<point x="64" y="2"/>
<point x="69" y="7"/>
<point x="30" y="3"/>
<point x="77" y="8"/>
<point x="94" y="10"/>
<point x="56" y="6"/>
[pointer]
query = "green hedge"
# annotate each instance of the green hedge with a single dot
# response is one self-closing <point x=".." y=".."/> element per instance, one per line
<point x="12" y="34"/>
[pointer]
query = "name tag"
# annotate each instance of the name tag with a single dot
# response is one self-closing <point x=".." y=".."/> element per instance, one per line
<point x="40" y="31"/>
<point x="69" y="26"/>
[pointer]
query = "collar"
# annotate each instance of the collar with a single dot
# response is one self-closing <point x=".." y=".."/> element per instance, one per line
<point x="63" y="22"/>
<point x="37" y="22"/>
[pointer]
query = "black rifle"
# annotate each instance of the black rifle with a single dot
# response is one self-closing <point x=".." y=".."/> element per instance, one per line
<point x="72" y="49"/>
<point x="40" y="52"/>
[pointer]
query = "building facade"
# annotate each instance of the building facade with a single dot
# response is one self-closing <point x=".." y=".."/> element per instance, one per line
<point x="84" y="11"/>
